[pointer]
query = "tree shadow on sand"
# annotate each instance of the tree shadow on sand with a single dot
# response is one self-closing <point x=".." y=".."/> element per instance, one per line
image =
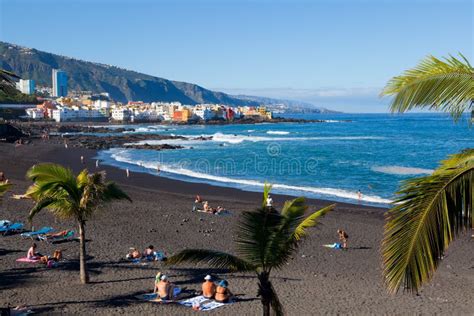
<point x="17" y="277"/>
<point x="4" y="252"/>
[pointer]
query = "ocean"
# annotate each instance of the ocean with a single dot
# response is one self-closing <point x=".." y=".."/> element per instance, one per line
<point x="347" y="153"/>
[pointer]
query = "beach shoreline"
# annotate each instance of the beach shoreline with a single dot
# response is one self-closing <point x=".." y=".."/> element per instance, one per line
<point x="161" y="214"/>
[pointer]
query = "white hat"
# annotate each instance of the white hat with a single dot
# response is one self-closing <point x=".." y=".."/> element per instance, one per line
<point x="208" y="277"/>
<point x="164" y="277"/>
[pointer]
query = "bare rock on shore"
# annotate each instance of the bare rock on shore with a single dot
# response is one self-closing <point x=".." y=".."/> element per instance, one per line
<point x="9" y="133"/>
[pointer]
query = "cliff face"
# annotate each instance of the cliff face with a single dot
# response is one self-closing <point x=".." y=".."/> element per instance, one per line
<point x="122" y="85"/>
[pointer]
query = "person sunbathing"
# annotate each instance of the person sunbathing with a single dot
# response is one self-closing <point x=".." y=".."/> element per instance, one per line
<point x="166" y="289"/>
<point x="207" y="207"/>
<point x="150" y="254"/>
<point x="220" y="210"/>
<point x="208" y="287"/>
<point x="223" y="294"/>
<point x="58" y="234"/>
<point x="32" y="254"/>
<point x="343" y="238"/>
<point x="133" y="253"/>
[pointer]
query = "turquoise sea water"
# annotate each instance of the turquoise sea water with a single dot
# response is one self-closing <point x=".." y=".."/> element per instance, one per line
<point x="331" y="160"/>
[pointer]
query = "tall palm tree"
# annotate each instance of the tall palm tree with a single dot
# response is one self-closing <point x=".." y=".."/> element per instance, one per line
<point x="266" y="240"/>
<point x="429" y="212"/>
<point x="67" y="196"/>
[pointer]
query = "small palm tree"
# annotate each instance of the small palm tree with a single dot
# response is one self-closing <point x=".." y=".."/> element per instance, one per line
<point x="66" y="196"/>
<point x="266" y="240"/>
<point x="429" y="211"/>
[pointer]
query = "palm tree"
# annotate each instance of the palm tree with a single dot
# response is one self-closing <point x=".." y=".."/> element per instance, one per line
<point x="429" y="212"/>
<point x="266" y="240"/>
<point x="66" y="196"/>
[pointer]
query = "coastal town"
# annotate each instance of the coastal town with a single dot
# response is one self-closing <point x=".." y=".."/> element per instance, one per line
<point x="77" y="106"/>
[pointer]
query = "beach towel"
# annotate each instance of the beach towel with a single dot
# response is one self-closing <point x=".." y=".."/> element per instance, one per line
<point x="154" y="298"/>
<point x="4" y="222"/>
<point x="41" y="231"/>
<point x="25" y="259"/>
<point x="205" y="304"/>
<point x="333" y="246"/>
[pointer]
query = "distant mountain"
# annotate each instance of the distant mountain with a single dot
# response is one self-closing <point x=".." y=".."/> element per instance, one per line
<point x="122" y="85"/>
<point x="284" y="105"/>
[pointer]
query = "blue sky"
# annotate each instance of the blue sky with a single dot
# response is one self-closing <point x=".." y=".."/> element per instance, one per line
<point x="333" y="53"/>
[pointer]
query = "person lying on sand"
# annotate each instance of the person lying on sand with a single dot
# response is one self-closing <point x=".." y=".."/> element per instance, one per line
<point x="220" y="210"/>
<point x="223" y="294"/>
<point x="343" y="238"/>
<point x="32" y="254"/>
<point x="58" y="234"/>
<point x="133" y="253"/>
<point x="166" y="289"/>
<point x="51" y="261"/>
<point x="208" y="287"/>
<point x="151" y="255"/>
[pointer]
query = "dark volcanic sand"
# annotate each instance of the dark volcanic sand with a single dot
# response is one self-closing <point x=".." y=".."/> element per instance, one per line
<point x="317" y="281"/>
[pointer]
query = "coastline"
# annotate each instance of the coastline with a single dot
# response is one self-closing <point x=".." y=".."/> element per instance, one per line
<point x="161" y="215"/>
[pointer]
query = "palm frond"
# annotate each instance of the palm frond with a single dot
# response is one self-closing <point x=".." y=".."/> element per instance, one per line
<point x="40" y="205"/>
<point x="215" y="259"/>
<point x="114" y="192"/>
<point x="428" y="214"/>
<point x="435" y="84"/>
<point x="4" y="187"/>
<point x="254" y="235"/>
<point x="310" y="221"/>
<point x="6" y="81"/>
<point x="49" y="178"/>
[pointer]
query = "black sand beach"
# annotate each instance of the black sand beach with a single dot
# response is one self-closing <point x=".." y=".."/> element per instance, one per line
<point x="317" y="281"/>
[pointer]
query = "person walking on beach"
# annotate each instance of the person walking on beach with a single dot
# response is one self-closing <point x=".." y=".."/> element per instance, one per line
<point x="343" y="236"/>
<point x="158" y="169"/>
<point x="97" y="163"/>
<point x="82" y="159"/>
<point x="65" y="144"/>
<point x="269" y="202"/>
<point x="127" y="172"/>
<point x="359" y="195"/>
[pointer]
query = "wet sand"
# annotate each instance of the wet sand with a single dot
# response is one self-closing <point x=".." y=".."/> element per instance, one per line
<point x="317" y="281"/>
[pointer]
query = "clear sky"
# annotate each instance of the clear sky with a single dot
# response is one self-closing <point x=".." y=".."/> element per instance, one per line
<point x="333" y="53"/>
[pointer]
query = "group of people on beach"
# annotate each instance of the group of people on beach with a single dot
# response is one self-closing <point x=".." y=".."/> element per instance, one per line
<point x="206" y="207"/>
<point x="168" y="291"/>
<point x="149" y="254"/>
<point x="49" y="261"/>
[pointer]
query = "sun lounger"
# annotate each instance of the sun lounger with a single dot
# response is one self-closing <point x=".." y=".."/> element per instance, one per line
<point x="41" y="231"/>
<point x="68" y="236"/>
<point x="4" y="223"/>
<point x="15" y="227"/>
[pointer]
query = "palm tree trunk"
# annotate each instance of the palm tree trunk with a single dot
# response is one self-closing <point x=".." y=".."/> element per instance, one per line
<point x="82" y="254"/>
<point x="265" y="292"/>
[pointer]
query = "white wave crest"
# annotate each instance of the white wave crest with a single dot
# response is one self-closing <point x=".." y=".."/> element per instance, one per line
<point x="278" y="133"/>
<point x="122" y="156"/>
<point x="398" y="170"/>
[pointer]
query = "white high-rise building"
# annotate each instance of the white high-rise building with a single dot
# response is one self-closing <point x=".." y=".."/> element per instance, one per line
<point x="26" y="86"/>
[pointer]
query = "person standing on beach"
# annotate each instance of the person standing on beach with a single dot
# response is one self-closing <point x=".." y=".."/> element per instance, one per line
<point x="82" y="159"/>
<point x="269" y="201"/>
<point x="158" y="169"/>
<point x="359" y="195"/>
<point x="65" y="144"/>
<point x="127" y="172"/>
<point x="97" y="163"/>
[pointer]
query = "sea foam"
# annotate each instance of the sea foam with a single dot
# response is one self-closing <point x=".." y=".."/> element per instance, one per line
<point x="399" y="170"/>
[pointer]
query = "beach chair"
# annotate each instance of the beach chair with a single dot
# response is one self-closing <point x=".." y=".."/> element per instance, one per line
<point x="68" y="236"/>
<point x="35" y="234"/>
<point x="13" y="228"/>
